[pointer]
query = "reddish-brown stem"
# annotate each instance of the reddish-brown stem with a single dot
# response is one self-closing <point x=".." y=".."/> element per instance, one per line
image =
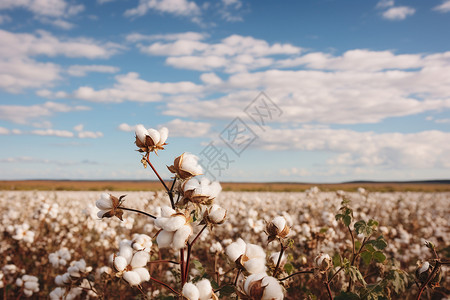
<point x="165" y="284"/>
<point x="327" y="284"/>
<point x="430" y="277"/>
<point x="340" y="269"/>
<point x="137" y="211"/>
<point x="156" y="172"/>
<point x="189" y="249"/>
<point x="164" y="261"/>
<point x="182" y="267"/>
<point x="237" y="277"/>
<point x="297" y="273"/>
<point x="279" y="259"/>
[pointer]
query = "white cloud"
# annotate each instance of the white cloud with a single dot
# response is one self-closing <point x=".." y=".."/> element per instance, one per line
<point x="4" y="131"/>
<point x="18" y="69"/>
<point x="295" y="172"/>
<point x="53" y="132"/>
<point x="44" y="43"/>
<point x="426" y="149"/>
<point x="442" y="121"/>
<point x="82" y="70"/>
<point x="385" y="3"/>
<point x="89" y="134"/>
<point x="48" y="8"/>
<point x="398" y="13"/>
<point x="186" y="36"/>
<point x="130" y="87"/>
<point x="175" y="7"/>
<point x="444" y="7"/>
<point x="127" y="128"/>
<point x="46" y="11"/>
<point x="22" y="114"/>
<point x="189" y="129"/>
<point x="233" y="54"/>
<point x="230" y="10"/>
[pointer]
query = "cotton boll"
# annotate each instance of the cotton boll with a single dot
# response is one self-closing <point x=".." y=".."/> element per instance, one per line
<point x="236" y="249"/>
<point x="167" y="211"/>
<point x="127" y="252"/>
<point x="120" y="263"/>
<point x="181" y="236"/>
<point x="154" y="135"/>
<point x="164" y="239"/>
<point x="279" y="222"/>
<point x="140" y="259"/>
<point x="272" y="290"/>
<point x="141" y="132"/>
<point x="250" y="279"/>
<point x="205" y="289"/>
<point x="173" y="223"/>
<point x="190" y="291"/>
<point x="143" y="274"/>
<point x="132" y="278"/>
<point x="163" y="133"/>
<point x="190" y="164"/>
<point x="255" y="265"/>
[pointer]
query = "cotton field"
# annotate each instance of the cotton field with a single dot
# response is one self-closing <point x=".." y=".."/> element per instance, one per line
<point x="54" y="244"/>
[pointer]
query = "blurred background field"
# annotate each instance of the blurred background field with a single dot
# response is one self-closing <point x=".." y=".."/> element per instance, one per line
<point x="142" y="185"/>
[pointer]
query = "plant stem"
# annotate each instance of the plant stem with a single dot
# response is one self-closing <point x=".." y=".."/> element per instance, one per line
<point x="327" y="284"/>
<point x="189" y="249"/>
<point x="183" y="270"/>
<point x="237" y="277"/>
<point x="430" y="277"/>
<point x="170" y="192"/>
<point x="156" y="172"/>
<point x="164" y="284"/>
<point x="279" y="259"/>
<point x="164" y="261"/>
<point x="138" y="211"/>
<point x="340" y="269"/>
<point x="296" y="273"/>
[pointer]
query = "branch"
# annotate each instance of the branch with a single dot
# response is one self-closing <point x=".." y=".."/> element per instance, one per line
<point x="156" y="172"/>
<point x="296" y="273"/>
<point x="138" y="211"/>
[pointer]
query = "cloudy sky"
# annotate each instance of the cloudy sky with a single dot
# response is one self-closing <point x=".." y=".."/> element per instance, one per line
<point x="354" y="90"/>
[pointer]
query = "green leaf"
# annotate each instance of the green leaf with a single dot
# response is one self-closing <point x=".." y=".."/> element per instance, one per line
<point x="369" y="247"/>
<point x="356" y="275"/>
<point x="347" y="220"/>
<point x="226" y="291"/>
<point x="337" y="260"/>
<point x="347" y="296"/>
<point x="378" y="256"/>
<point x="379" y="243"/>
<point x="360" y="226"/>
<point x="288" y="268"/>
<point x="366" y="257"/>
<point x="372" y="223"/>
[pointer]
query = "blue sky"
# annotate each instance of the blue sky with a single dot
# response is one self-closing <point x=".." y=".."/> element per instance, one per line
<point x="354" y="90"/>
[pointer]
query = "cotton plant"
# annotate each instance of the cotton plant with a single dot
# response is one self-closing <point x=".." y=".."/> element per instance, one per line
<point x="190" y="211"/>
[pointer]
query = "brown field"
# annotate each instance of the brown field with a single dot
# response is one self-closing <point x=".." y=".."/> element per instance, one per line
<point x="70" y="185"/>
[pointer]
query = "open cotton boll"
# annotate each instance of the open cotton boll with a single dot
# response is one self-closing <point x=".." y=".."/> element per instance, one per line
<point x="143" y="274"/>
<point x="279" y="222"/>
<point x="142" y="242"/>
<point x="191" y="184"/>
<point x="164" y="238"/>
<point x="181" y="236"/>
<point x="215" y="189"/>
<point x="141" y="132"/>
<point x="105" y="202"/>
<point x="236" y="249"/>
<point x="120" y="263"/>
<point x="190" y="291"/>
<point x="204" y="289"/>
<point x="250" y="279"/>
<point x="167" y="211"/>
<point x="127" y="252"/>
<point x="272" y="290"/>
<point x="254" y="251"/>
<point x="255" y="265"/>
<point x="171" y="224"/>
<point x="425" y="266"/>
<point x="163" y="134"/>
<point x="132" y="278"/>
<point x="190" y="164"/>
<point x="216" y="213"/>
<point x="154" y="135"/>
<point x="140" y="259"/>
